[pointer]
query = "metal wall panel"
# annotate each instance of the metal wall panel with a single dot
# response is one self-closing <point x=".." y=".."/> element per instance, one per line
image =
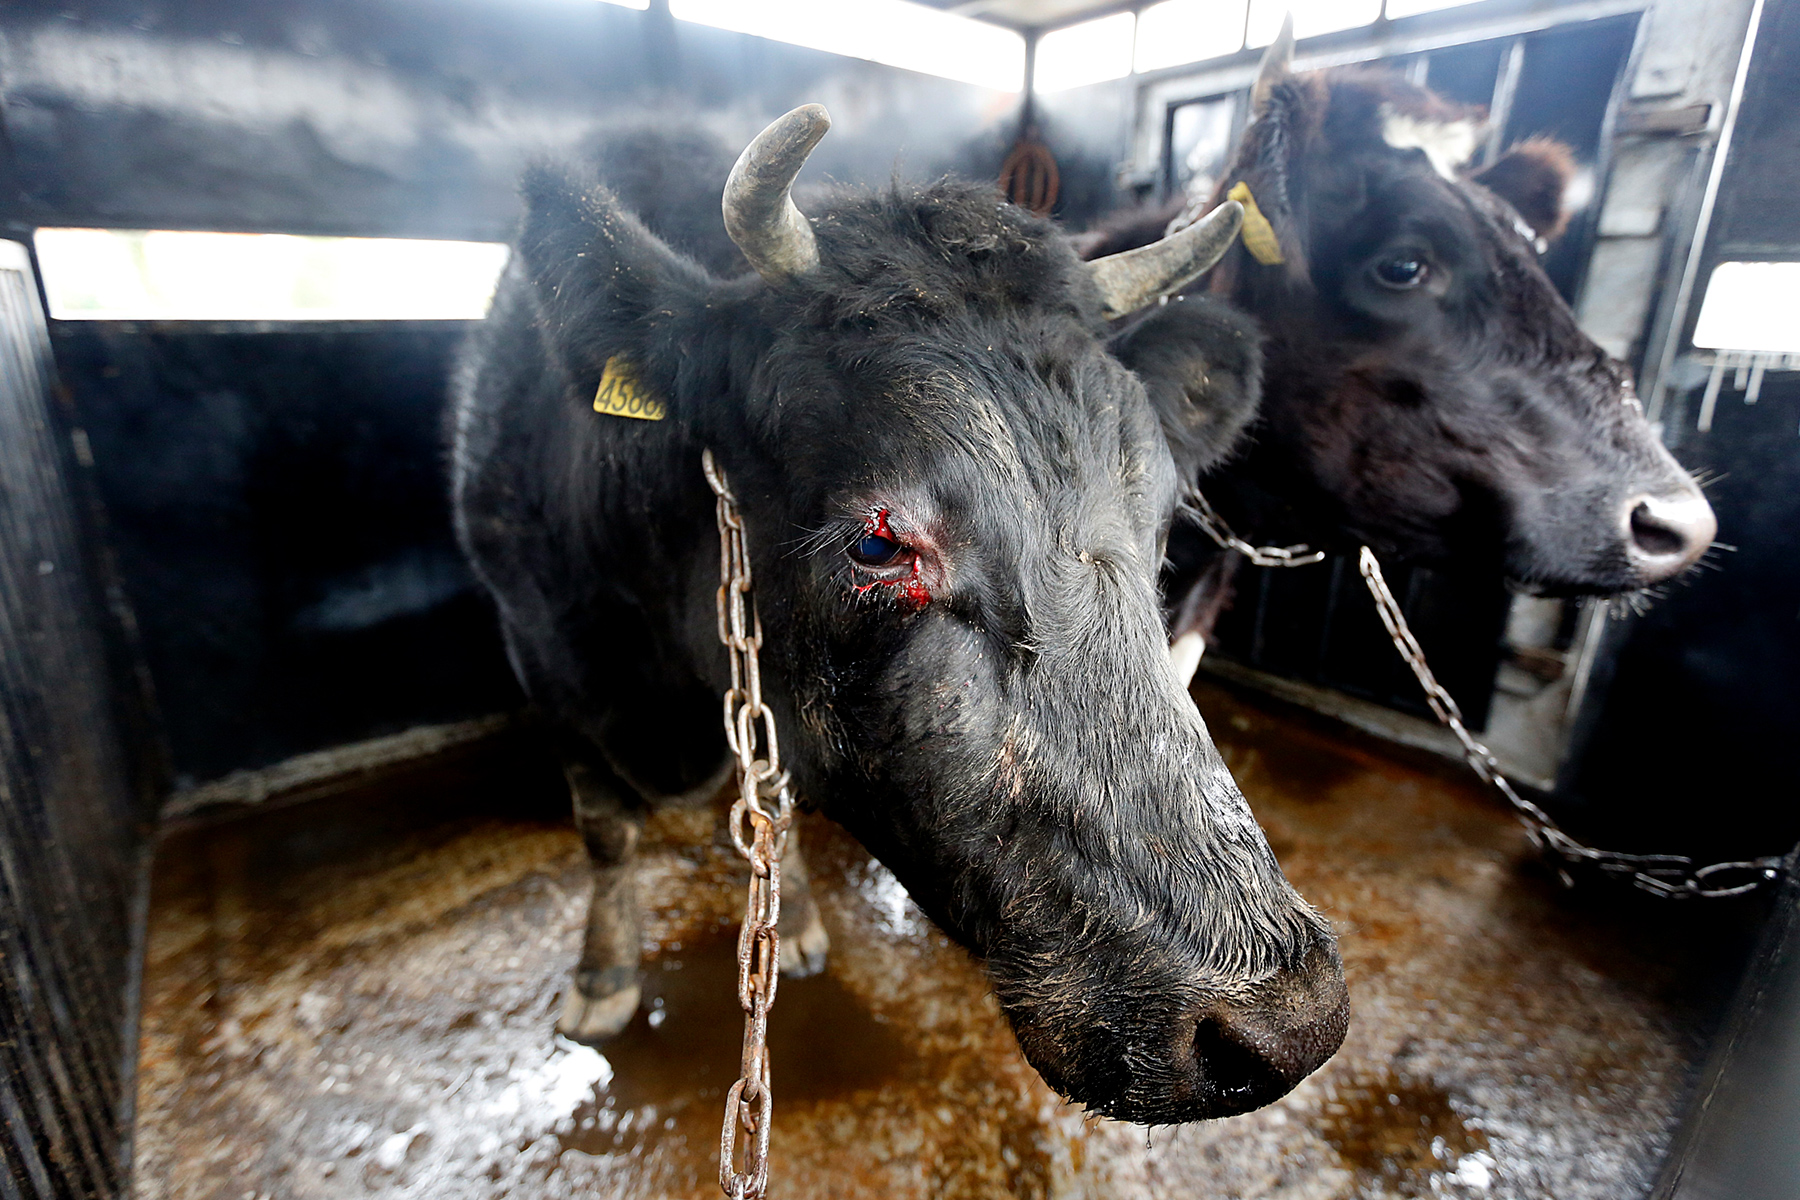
<point x="70" y="839"/>
<point x="1689" y="744"/>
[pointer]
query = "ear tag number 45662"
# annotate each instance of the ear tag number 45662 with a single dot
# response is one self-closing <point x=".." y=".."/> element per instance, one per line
<point x="622" y="395"/>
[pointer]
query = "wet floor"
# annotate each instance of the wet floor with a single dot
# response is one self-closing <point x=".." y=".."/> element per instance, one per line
<point x="356" y="998"/>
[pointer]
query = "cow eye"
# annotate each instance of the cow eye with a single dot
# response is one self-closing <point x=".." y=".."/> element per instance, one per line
<point x="875" y="550"/>
<point x="1401" y="272"/>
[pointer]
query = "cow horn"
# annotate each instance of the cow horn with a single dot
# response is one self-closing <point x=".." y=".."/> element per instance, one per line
<point x="1277" y="63"/>
<point x="759" y="213"/>
<point x="1134" y="278"/>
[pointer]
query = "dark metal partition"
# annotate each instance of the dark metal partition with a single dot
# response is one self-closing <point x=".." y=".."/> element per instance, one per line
<point x="1691" y="731"/>
<point x="70" y="829"/>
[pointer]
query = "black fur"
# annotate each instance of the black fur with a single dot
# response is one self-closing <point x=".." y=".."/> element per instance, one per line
<point x="1201" y="361"/>
<point x="1017" y="749"/>
<point x="671" y="176"/>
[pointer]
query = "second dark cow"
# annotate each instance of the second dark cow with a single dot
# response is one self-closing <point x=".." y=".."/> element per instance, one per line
<point x="1401" y="369"/>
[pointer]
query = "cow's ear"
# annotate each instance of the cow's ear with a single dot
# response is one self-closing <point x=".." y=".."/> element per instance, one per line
<point x="1201" y="361"/>
<point x="606" y="287"/>
<point x="1533" y="176"/>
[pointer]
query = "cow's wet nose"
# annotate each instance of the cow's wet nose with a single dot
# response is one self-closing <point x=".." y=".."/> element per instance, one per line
<point x="1667" y="534"/>
<point x="1252" y="1050"/>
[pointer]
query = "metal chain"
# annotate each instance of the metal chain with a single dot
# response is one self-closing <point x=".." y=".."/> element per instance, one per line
<point x="760" y="818"/>
<point x="1672" y="876"/>
<point x="1263" y="556"/>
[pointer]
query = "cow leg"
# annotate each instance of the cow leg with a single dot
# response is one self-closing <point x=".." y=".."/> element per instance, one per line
<point x="804" y="941"/>
<point x="605" y="993"/>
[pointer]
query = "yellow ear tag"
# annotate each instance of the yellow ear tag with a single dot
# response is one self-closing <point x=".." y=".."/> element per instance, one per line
<point x="1259" y="236"/>
<point x="621" y="395"/>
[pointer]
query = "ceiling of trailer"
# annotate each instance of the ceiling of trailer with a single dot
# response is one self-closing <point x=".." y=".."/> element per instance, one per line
<point x="1025" y="14"/>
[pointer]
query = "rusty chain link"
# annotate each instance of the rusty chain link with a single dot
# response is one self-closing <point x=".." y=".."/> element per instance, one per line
<point x="765" y="807"/>
<point x="1672" y="876"/>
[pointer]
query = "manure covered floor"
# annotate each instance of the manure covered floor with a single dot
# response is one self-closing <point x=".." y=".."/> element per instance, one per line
<point x="355" y="998"/>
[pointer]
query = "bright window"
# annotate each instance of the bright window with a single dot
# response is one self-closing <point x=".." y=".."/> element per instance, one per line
<point x="1091" y="52"/>
<point x="1751" y="306"/>
<point x="1407" y="8"/>
<point x="893" y="32"/>
<point x="166" y="275"/>
<point x="1311" y="17"/>
<point x="1185" y="31"/>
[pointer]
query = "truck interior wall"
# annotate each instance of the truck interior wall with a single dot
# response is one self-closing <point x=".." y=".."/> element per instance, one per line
<point x="1690" y="745"/>
<point x="410" y="119"/>
<point x="279" y="506"/>
<point x="74" y="818"/>
<point x="278" y="497"/>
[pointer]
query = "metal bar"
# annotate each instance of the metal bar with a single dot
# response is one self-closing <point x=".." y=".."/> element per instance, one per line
<point x="1710" y="400"/>
<point x="1676" y="332"/>
<point x="1506" y="84"/>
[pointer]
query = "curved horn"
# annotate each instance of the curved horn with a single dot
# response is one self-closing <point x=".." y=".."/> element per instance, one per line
<point x="1134" y="278"/>
<point x="1277" y="63"/>
<point x="759" y="214"/>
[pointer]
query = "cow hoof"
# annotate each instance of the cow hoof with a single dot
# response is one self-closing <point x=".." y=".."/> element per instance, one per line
<point x="803" y="954"/>
<point x="585" y="1019"/>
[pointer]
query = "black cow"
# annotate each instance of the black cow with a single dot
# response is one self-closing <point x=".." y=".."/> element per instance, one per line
<point x="1409" y="376"/>
<point x="957" y="503"/>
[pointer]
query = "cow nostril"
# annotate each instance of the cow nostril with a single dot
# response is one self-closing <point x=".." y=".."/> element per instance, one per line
<point x="1251" y="1049"/>
<point x="1238" y="1075"/>
<point x="1666" y="534"/>
<point x="1651" y="535"/>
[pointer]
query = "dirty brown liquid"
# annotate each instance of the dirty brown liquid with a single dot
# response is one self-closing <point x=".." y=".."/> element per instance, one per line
<point x="357" y="998"/>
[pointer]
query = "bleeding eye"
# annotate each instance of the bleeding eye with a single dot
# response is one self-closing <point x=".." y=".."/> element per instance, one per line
<point x="1401" y="272"/>
<point x="875" y="550"/>
<point x="896" y="563"/>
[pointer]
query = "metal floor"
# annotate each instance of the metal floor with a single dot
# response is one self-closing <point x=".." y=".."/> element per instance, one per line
<point x="356" y="998"/>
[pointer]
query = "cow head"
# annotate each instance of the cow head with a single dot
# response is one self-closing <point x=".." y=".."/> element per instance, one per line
<point x="1426" y="387"/>
<point x="956" y="503"/>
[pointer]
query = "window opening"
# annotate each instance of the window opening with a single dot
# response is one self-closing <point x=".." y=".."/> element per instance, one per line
<point x="1177" y="32"/>
<point x="181" y="275"/>
<point x="892" y="32"/>
<point x="1091" y="52"/>
<point x="1201" y="135"/>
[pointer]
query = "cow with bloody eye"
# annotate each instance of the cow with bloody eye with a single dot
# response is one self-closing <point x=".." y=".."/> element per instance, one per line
<point x="963" y="646"/>
<point x="889" y="564"/>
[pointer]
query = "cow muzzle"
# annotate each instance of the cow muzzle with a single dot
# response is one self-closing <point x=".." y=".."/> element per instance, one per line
<point x="1252" y="1051"/>
<point x="1220" y="1052"/>
<point x="1667" y="534"/>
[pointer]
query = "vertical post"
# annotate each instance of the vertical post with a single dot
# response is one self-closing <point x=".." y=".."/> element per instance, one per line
<point x="1028" y="106"/>
<point x="1675" y="326"/>
<point x="72" y="830"/>
<point x="1506" y="83"/>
